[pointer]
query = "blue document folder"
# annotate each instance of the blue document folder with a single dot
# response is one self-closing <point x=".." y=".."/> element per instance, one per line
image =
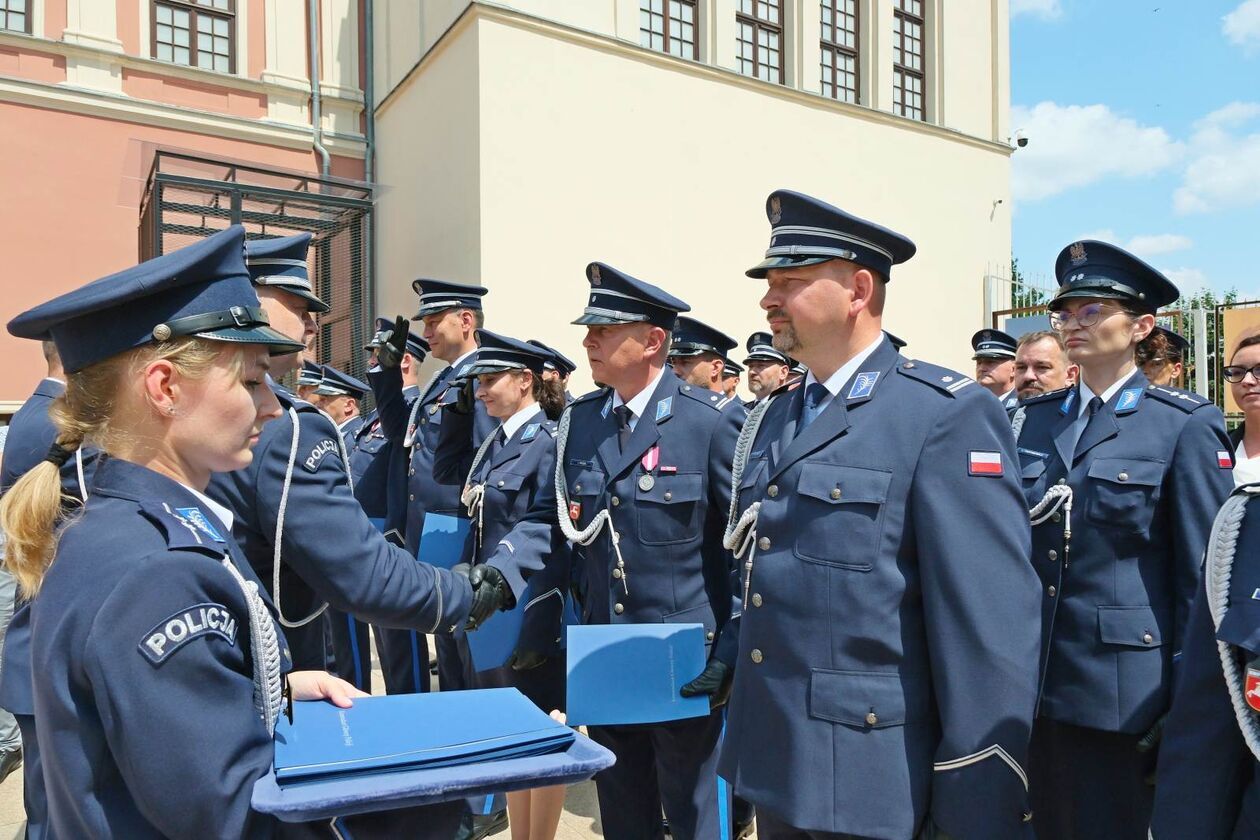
<point x="442" y="539"/>
<point x="631" y="673"/>
<point x="493" y="642"/>
<point x="402" y="731"/>
<point x="362" y="793"/>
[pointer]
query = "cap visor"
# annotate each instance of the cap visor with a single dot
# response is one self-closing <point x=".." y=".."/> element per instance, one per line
<point x="276" y="343"/>
<point x="590" y="319"/>
<point x="1101" y="294"/>
<point x="758" y="271"/>
<point x="1007" y="356"/>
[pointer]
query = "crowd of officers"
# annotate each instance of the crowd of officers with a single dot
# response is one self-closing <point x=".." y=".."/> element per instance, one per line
<point x="929" y="613"/>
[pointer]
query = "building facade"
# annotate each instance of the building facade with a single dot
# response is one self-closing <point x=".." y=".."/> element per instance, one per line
<point x="521" y="139"/>
<point x="91" y="90"/>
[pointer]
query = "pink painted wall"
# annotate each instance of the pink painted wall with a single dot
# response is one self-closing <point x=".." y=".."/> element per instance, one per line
<point x="186" y="93"/>
<point x="29" y="64"/>
<point x="54" y="19"/>
<point x="128" y="22"/>
<point x="72" y="191"/>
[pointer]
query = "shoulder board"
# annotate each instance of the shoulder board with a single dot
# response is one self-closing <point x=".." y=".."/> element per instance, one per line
<point x="941" y="378"/>
<point x="704" y="396"/>
<point x="1187" y="401"/>
<point x="551" y="427"/>
<point x="186" y="527"/>
<point x="1048" y="396"/>
<point x="592" y="396"/>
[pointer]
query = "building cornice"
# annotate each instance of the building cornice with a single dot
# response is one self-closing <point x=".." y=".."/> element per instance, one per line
<point x="113" y="106"/>
<point x="478" y="10"/>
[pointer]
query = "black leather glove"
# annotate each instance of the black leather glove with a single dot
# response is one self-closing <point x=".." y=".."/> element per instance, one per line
<point x="714" y="680"/>
<point x="394" y="345"/>
<point x="525" y="660"/>
<point x="1148" y="745"/>
<point x="460" y="398"/>
<point x="490" y="593"/>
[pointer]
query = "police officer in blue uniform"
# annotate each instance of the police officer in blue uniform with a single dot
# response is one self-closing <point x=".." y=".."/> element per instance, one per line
<point x="768" y="369"/>
<point x="508" y="485"/>
<point x="558" y="367"/>
<point x="995" y="364"/>
<point x="309" y="377"/>
<point x="342" y="395"/>
<point x="649" y="456"/>
<point x="731" y="373"/>
<point x="1162" y="356"/>
<point x="295" y="515"/>
<point x="696" y="354"/>
<point x="1145" y="469"/>
<point x="888" y="643"/>
<point x="161" y="668"/>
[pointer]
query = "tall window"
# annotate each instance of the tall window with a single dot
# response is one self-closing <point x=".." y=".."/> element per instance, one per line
<point x="908" y="59"/>
<point x="839" y="44"/>
<point x="198" y="33"/>
<point x="759" y="25"/>
<point x="15" y="16"/>
<point x="669" y="26"/>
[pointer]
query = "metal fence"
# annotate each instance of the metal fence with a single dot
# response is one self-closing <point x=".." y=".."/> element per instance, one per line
<point x="187" y="198"/>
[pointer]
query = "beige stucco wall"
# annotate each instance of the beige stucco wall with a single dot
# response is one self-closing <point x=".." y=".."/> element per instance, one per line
<point x="581" y="147"/>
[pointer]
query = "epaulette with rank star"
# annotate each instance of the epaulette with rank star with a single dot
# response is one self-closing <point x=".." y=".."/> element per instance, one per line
<point x="1187" y="401"/>
<point x="703" y="396"/>
<point x="940" y="378"/>
<point x="1048" y="396"/>
<point x="590" y="396"/>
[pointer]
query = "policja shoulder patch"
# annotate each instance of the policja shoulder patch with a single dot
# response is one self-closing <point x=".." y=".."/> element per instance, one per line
<point x="181" y="628"/>
<point x="322" y="449"/>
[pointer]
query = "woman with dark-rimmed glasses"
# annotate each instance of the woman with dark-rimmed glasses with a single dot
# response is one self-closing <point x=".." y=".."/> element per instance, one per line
<point x="1243" y="375"/>
<point x="1123" y="479"/>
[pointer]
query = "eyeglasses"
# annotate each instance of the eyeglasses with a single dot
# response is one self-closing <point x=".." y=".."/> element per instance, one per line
<point x="1087" y="316"/>
<point x="1236" y="374"/>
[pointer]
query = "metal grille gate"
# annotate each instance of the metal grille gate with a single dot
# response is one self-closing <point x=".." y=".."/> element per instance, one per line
<point x="188" y="197"/>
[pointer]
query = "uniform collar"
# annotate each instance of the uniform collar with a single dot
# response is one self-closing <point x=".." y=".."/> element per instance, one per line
<point x="1087" y="394"/>
<point x="225" y="516"/>
<point x="836" y="382"/>
<point x="341" y="427"/>
<point x="513" y="424"/>
<point x="455" y="364"/>
<point x="638" y="403"/>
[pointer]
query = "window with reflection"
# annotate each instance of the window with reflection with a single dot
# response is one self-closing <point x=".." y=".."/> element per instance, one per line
<point x="839" y="50"/>
<point x="669" y="26"/>
<point x="908" y="78"/>
<point x="15" y="16"/>
<point x="196" y="33"/>
<point x="759" y="39"/>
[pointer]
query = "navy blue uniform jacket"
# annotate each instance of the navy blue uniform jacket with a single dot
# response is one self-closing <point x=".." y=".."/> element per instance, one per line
<point x="887" y="663"/>
<point x="330" y="550"/>
<point x="1147" y="476"/>
<point x="519" y="535"/>
<point x="676" y="569"/>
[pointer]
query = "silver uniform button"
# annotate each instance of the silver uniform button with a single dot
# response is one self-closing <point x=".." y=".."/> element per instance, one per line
<point x="615" y="501"/>
<point x="1124" y="476"/>
<point x="755" y="655"/>
<point x="411" y="497"/>
<point x="835" y="494"/>
<point x="646" y="483"/>
<point x="1061" y="481"/>
<point x="668" y="495"/>
<point x="1058" y="517"/>
<point x="709" y="636"/>
<point x="1051" y="591"/>
<point x="617" y="574"/>
<point x="763" y="543"/>
<point x="772" y="490"/>
<point x="577" y="488"/>
<point x="618" y="609"/>
<point x="756" y="599"/>
<point x="1052" y="554"/>
<point x="433" y="409"/>
<point x="871" y="718"/>
<point x="500" y="482"/>
<point x="1147" y="638"/>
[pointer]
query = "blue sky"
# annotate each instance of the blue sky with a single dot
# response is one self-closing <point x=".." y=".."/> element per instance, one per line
<point x="1143" y="126"/>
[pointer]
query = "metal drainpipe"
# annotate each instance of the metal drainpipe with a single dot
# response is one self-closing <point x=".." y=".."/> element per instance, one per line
<point x="369" y="93"/>
<point x="317" y="127"/>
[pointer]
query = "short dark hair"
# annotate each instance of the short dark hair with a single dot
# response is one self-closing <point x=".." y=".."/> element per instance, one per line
<point x="1040" y="335"/>
<point x="1250" y="339"/>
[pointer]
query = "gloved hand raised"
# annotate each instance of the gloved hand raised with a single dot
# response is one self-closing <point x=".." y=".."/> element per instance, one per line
<point x="714" y="680"/>
<point x="390" y="353"/>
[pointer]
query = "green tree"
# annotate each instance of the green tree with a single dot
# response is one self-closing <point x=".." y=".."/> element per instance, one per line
<point x="1207" y="300"/>
<point x="1022" y="294"/>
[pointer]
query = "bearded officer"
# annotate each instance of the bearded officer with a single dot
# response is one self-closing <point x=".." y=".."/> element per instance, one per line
<point x="887" y="663"/>
<point x="655" y="453"/>
<point x="768" y="369"/>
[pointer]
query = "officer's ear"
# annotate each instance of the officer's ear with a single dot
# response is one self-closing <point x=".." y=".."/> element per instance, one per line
<point x="1143" y="326"/>
<point x="868" y="292"/>
<point x="655" y="342"/>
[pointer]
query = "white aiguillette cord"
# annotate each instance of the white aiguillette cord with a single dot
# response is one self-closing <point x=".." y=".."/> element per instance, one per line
<point x="588" y="534"/>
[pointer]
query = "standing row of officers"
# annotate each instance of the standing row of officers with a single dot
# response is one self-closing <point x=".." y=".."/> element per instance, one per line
<point x="925" y="616"/>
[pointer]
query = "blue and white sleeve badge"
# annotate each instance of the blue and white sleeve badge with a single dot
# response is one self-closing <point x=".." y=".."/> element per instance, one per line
<point x="172" y="633"/>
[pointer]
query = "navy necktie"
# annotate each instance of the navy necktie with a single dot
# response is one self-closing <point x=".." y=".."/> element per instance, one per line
<point x="1091" y="411"/>
<point x="622" y="413"/>
<point x="815" y="394"/>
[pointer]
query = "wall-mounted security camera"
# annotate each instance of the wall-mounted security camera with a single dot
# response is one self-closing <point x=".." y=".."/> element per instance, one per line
<point x="1021" y="138"/>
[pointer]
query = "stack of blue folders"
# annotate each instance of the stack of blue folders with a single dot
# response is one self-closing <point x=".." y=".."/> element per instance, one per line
<point x="411" y="732"/>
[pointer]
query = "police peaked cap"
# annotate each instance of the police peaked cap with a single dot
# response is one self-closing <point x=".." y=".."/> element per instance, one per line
<point x="692" y="337"/>
<point x="618" y="298"/>
<point x="993" y="344"/>
<point x="760" y="346"/>
<point x="339" y="384"/>
<point x="805" y="231"/>
<point x="441" y="295"/>
<point x="730" y="367"/>
<point x="559" y="362"/>
<point x="311" y="373"/>
<point x="200" y="290"/>
<point x="497" y="353"/>
<point x="1178" y="342"/>
<point x="1093" y="269"/>
<point x="281" y="262"/>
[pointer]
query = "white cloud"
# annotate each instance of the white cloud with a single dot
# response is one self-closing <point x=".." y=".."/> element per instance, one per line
<point x="1044" y="9"/>
<point x="1224" y="166"/>
<point x="1242" y="26"/>
<point x="1150" y="245"/>
<point x="1071" y="146"/>
<point x="1187" y="280"/>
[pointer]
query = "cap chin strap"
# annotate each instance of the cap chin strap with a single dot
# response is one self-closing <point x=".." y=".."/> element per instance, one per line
<point x="236" y="316"/>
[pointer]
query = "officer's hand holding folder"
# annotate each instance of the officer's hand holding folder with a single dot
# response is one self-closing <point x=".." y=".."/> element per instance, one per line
<point x="415" y="749"/>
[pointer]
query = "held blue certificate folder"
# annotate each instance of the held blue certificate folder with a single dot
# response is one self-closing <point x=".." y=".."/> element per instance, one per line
<point x="442" y="539"/>
<point x="409" y="731"/>
<point x="493" y="642"/>
<point x="631" y="673"/>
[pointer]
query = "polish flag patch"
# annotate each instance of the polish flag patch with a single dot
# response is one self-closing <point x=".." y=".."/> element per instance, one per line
<point x="575" y="511"/>
<point x="1223" y="460"/>
<point x="1252" y="689"/>
<point x="980" y="462"/>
